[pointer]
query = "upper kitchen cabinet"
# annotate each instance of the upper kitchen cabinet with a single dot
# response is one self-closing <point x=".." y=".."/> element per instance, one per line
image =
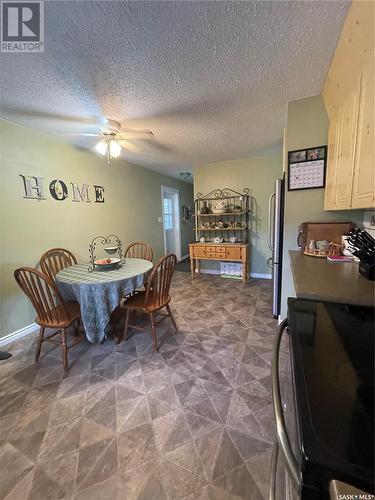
<point x="363" y="193"/>
<point x="350" y="179"/>
<point x="346" y="153"/>
<point x="349" y="100"/>
<point x="332" y="161"/>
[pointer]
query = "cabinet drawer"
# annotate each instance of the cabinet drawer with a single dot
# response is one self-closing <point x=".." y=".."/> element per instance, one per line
<point x="199" y="252"/>
<point x="215" y="250"/>
<point x="214" y="255"/>
<point x="234" y="253"/>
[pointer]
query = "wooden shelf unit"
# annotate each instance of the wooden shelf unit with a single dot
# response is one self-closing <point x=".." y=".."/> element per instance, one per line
<point x="231" y="199"/>
<point x="221" y="215"/>
<point x="232" y="252"/>
<point x="226" y="251"/>
<point x="225" y="229"/>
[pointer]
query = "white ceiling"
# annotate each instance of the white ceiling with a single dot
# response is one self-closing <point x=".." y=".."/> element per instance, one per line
<point x="210" y="79"/>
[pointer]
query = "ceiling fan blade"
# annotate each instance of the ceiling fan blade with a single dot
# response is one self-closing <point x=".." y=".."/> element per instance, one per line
<point x="46" y="115"/>
<point x="135" y="134"/>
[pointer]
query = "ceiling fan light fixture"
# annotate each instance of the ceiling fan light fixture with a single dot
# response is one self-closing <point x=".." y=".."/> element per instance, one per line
<point x="101" y="147"/>
<point x="114" y="149"/>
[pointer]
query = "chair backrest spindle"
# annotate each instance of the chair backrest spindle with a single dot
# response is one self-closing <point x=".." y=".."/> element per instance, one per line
<point x="139" y="250"/>
<point x="55" y="260"/>
<point x="43" y="295"/>
<point x="160" y="279"/>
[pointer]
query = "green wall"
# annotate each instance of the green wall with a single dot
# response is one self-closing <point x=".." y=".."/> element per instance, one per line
<point x="28" y="227"/>
<point x="258" y="174"/>
<point x="306" y="126"/>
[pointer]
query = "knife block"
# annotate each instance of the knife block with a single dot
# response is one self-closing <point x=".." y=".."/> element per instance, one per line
<point x="367" y="270"/>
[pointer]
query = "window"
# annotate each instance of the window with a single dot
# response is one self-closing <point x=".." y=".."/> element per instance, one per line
<point x="168" y="214"/>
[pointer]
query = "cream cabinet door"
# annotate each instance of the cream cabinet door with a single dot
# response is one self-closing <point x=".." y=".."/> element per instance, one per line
<point x="363" y="194"/>
<point x="332" y="160"/>
<point x="345" y="164"/>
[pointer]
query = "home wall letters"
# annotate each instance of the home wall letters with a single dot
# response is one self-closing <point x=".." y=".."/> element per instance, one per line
<point x="59" y="191"/>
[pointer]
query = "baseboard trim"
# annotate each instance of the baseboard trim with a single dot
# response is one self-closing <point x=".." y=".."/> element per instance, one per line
<point x="18" y="334"/>
<point x="261" y="276"/>
<point x="252" y="275"/>
<point x="184" y="257"/>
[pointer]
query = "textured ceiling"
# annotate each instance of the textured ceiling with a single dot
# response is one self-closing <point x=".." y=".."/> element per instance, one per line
<point x="210" y="79"/>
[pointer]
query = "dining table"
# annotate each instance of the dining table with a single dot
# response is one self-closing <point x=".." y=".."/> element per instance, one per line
<point x="100" y="291"/>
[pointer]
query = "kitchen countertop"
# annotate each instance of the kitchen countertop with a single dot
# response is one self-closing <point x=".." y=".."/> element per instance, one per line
<point x="318" y="279"/>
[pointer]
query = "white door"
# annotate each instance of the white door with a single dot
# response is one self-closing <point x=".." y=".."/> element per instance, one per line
<point x="171" y="220"/>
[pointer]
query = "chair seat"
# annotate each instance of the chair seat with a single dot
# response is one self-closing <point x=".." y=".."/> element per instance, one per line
<point x="137" y="301"/>
<point x="73" y="310"/>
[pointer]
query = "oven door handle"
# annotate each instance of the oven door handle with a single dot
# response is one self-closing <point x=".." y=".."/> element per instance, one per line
<point x="282" y="435"/>
<point x="273" y="472"/>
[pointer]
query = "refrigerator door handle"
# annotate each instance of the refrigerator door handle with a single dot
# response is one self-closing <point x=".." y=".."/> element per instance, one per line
<point x="270" y="218"/>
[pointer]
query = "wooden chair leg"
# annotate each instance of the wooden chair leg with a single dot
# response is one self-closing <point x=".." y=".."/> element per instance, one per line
<point x="64" y="348"/>
<point x="126" y="326"/>
<point x="40" y="342"/>
<point x="153" y="328"/>
<point x="171" y="316"/>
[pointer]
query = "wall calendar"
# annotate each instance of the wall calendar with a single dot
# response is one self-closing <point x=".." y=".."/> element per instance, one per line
<point x="307" y="168"/>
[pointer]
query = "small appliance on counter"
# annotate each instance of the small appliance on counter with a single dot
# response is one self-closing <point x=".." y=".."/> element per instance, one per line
<point x="324" y="402"/>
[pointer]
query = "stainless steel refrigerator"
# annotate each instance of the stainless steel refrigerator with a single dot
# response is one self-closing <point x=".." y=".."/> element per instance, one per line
<point x="275" y="241"/>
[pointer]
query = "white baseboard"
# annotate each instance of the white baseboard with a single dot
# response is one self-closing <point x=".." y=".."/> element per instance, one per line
<point x="18" y="334"/>
<point x="208" y="271"/>
<point x="252" y="275"/>
<point x="184" y="258"/>
<point x="261" y="276"/>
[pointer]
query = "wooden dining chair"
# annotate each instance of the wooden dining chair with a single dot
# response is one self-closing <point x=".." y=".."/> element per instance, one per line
<point x="139" y="250"/>
<point x="56" y="259"/>
<point x="154" y="298"/>
<point x="52" y="312"/>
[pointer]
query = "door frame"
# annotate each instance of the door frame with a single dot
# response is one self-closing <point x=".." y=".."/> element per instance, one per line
<point x="177" y="220"/>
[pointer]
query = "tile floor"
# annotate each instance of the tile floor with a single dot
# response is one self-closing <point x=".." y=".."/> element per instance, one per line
<point x="193" y="421"/>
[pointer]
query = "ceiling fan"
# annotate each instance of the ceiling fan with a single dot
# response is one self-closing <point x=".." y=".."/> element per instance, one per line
<point x="112" y="139"/>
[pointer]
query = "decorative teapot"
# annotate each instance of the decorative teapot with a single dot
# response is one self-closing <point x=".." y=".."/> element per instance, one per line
<point x="220" y="205"/>
<point x="218" y="240"/>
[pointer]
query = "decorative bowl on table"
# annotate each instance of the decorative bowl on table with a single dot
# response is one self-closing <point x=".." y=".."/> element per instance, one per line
<point x="219" y="211"/>
<point x="107" y="263"/>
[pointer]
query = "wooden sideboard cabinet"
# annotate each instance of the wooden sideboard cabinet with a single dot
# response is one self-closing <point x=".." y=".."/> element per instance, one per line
<point x="233" y="252"/>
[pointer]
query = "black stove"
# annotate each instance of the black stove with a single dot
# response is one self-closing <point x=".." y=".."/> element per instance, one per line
<point x="332" y="350"/>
